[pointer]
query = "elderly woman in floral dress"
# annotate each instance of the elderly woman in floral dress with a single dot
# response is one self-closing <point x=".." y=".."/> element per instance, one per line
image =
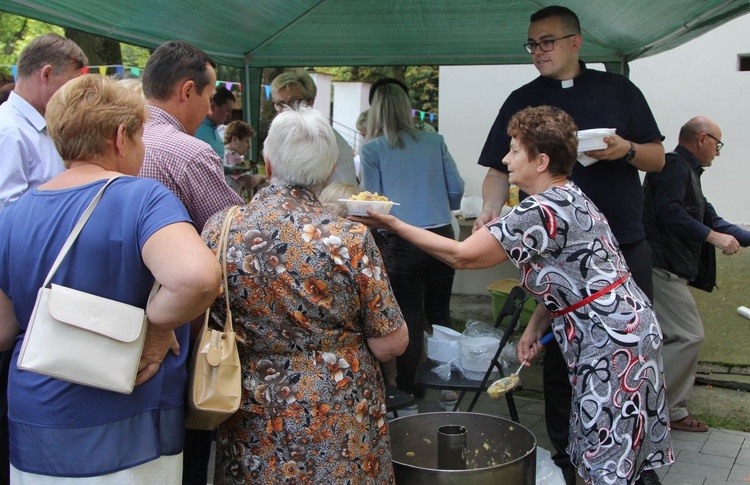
<point x="314" y="311"/>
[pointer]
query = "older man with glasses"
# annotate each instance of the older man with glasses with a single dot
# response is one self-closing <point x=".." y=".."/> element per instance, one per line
<point x="292" y="89"/>
<point x="594" y="99"/>
<point x="683" y="230"/>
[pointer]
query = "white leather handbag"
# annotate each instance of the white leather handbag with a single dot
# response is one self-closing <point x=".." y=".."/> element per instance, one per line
<point x="80" y="337"/>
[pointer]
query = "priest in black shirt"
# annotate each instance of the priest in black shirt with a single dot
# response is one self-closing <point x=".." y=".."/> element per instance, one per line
<point x="594" y="99"/>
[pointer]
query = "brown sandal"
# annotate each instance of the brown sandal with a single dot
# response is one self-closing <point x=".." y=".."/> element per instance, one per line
<point x="688" y="423"/>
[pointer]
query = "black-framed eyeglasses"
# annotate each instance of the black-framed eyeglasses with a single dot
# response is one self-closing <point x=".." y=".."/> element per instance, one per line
<point x="719" y="143"/>
<point x="545" y="45"/>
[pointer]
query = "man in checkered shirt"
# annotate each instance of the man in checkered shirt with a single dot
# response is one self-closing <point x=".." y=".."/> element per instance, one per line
<point x="179" y="82"/>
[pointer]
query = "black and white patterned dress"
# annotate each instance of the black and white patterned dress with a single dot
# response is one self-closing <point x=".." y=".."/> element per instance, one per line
<point x="566" y="252"/>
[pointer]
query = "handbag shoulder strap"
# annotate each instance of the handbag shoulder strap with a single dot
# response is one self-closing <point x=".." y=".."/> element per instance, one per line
<point x="76" y="231"/>
<point x="221" y="254"/>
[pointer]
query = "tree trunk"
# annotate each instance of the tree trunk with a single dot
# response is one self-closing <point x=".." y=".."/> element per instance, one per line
<point x="399" y="72"/>
<point x="101" y="51"/>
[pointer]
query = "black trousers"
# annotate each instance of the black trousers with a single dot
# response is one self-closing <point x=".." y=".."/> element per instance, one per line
<point x="422" y="286"/>
<point x="196" y="453"/>
<point x="557" y="390"/>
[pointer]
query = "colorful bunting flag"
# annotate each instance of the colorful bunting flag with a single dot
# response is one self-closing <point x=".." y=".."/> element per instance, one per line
<point x="118" y="69"/>
<point x="14" y="71"/>
<point x="268" y="91"/>
<point x="103" y="70"/>
<point x="84" y="70"/>
<point x="135" y="71"/>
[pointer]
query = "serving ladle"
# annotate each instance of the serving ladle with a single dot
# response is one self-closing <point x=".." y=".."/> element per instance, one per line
<point x="501" y="386"/>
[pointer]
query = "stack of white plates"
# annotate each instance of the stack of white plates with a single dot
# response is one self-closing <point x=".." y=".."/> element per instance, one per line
<point x="442" y="346"/>
<point x="592" y="140"/>
<point x="478" y="352"/>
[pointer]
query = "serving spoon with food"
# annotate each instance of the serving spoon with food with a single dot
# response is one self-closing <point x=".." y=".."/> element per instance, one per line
<point x="501" y="386"/>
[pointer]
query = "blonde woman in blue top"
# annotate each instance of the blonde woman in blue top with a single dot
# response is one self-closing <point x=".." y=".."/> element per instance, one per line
<point x="415" y="169"/>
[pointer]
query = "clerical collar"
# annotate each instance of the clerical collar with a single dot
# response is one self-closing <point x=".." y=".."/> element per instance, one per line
<point x="568" y="83"/>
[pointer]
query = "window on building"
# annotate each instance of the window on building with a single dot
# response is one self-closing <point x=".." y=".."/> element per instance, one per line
<point x="743" y="62"/>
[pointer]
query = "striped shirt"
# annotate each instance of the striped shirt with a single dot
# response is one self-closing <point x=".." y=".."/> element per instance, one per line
<point x="187" y="166"/>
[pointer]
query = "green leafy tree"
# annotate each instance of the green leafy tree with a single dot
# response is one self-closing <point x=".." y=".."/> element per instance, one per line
<point x="15" y="33"/>
<point x="421" y="80"/>
<point x="101" y="51"/>
<point x="134" y="56"/>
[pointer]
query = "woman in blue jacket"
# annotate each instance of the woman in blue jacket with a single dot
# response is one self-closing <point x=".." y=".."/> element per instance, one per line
<point x="416" y="170"/>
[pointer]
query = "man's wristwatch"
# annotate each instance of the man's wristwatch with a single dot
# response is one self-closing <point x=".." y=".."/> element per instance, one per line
<point x="631" y="153"/>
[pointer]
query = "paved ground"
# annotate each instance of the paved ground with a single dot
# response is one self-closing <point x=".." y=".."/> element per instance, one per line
<point x="712" y="458"/>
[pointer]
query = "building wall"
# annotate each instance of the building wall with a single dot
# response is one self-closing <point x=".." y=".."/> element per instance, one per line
<point x="701" y="78"/>
<point x="350" y="99"/>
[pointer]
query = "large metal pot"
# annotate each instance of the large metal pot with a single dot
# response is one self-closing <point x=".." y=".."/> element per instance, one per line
<point x="498" y="450"/>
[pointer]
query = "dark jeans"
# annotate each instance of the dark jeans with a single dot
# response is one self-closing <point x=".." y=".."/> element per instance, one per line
<point x="557" y="390"/>
<point x="197" y="451"/>
<point x="423" y="287"/>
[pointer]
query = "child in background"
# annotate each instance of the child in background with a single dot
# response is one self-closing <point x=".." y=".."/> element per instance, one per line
<point x="237" y="139"/>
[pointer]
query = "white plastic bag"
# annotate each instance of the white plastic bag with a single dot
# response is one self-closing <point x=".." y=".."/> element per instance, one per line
<point x="471" y="206"/>
<point x="547" y="473"/>
<point x="477" y="348"/>
<point x="443" y="371"/>
<point x="509" y="357"/>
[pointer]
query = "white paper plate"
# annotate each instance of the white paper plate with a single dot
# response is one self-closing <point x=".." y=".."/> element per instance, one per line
<point x="445" y="333"/>
<point x="593" y="139"/>
<point x="586" y="160"/>
<point x="359" y="207"/>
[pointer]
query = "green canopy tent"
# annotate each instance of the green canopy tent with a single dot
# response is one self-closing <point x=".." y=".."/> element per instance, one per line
<point x="253" y="34"/>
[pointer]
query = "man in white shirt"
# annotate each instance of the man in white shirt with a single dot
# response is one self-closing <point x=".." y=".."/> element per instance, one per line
<point x="29" y="158"/>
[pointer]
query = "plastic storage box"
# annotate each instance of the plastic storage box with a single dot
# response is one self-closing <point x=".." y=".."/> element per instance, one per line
<point x="500" y="290"/>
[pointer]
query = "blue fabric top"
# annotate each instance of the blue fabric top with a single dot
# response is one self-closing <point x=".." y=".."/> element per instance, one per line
<point x="207" y="132"/>
<point x="62" y="429"/>
<point x="595" y="100"/>
<point x="422" y="177"/>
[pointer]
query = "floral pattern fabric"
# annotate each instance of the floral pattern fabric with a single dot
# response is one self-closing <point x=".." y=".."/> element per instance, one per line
<point x="306" y="288"/>
<point x="566" y="252"/>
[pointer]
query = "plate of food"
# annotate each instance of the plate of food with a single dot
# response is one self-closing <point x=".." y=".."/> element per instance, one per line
<point x="358" y="204"/>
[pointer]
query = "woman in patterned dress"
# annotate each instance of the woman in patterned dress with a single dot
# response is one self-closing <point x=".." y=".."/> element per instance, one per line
<point x="313" y="311"/>
<point x="570" y="262"/>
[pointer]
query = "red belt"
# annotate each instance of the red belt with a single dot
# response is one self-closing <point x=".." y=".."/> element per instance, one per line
<point x="591" y="297"/>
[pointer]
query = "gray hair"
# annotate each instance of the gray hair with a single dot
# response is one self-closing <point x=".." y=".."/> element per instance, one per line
<point x="301" y="148"/>
<point x="51" y="49"/>
<point x="390" y="115"/>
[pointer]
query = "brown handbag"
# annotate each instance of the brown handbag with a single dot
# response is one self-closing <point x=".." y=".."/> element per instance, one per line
<point x="215" y="374"/>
